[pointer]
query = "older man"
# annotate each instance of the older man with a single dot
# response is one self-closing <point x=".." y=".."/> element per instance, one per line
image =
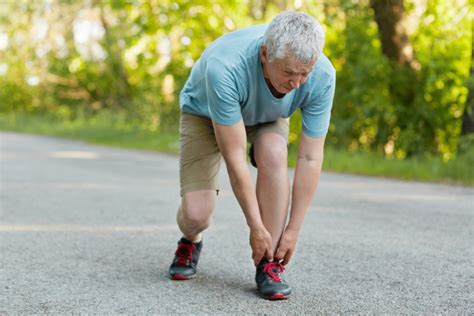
<point x="243" y="88"/>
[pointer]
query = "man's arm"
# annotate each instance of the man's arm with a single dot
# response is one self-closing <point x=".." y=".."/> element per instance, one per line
<point x="307" y="173"/>
<point x="232" y="142"/>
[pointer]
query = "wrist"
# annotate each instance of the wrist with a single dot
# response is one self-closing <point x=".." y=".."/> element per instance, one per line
<point x="255" y="224"/>
<point x="293" y="227"/>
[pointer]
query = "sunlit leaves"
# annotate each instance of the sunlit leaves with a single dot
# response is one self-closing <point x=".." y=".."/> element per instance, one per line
<point x="133" y="57"/>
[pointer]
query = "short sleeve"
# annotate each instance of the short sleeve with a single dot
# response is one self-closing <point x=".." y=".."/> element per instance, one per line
<point x="317" y="113"/>
<point x="222" y="94"/>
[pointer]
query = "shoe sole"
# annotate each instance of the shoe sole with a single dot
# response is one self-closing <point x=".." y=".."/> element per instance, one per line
<point x="180" y="277"/>
<point x="276" y="297"/>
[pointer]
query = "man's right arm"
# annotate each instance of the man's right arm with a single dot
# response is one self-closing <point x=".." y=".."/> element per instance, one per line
<point x="232" y="142"/>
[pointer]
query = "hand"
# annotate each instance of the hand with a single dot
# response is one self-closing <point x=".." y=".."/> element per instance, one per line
<point x="261" y="243"/>
<point x="287" y="245"/>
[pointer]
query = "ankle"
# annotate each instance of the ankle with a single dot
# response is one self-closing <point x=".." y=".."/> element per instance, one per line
<point x="193" y="238"/>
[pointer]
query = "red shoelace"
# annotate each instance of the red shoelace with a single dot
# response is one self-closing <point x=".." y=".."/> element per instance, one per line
<point x="184" y="254"/>
<point x="273" y="269"/>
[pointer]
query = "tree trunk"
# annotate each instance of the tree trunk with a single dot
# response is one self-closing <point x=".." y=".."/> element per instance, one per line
<point x="389" y="15"/>
<point x="468" y="116"/>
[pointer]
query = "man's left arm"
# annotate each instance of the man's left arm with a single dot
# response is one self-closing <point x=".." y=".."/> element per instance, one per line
<point x="315" y="118"/>
<point x="307" y="173"/>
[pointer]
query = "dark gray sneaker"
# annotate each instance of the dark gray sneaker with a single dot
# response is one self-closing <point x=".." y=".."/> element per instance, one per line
<point x="185" y="260"/>
<point x="270" y="282"/>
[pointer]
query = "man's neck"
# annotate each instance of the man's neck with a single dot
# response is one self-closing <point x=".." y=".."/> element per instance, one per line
<point x="275" y="93"/>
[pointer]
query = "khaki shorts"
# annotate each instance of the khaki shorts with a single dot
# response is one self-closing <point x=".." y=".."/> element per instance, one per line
<point x="200" y="158"/>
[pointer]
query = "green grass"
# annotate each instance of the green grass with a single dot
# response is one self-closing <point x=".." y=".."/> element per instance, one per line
<point x="111" y="131"/>
<point x="115" y="131"/>
<point x="458" y="171"/>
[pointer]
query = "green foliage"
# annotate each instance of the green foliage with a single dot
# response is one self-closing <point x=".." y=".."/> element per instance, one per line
<point x="384" y="107"/>
<point x="139" y="55"/>
<point x="443" y="45"/>
<point x="363" y="116"/>
<point x="114" y="129"/>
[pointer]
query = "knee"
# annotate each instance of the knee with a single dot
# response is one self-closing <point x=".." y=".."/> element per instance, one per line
<point x="196" y="216"/>
<point x="272" y="157"/>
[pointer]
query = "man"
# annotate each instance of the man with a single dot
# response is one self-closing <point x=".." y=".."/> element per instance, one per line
<point x="242" y="89"/>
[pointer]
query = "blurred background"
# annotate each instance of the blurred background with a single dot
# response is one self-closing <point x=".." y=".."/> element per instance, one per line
<point x="110" y="72"/>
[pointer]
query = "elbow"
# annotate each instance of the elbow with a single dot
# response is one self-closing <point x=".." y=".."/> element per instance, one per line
<point x="233" y="157"/>
<point x="312" y="163"/>
<point x="311" y="158"/>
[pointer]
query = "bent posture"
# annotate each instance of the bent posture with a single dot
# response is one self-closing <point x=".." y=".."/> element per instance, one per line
<point x="243" y="89"/>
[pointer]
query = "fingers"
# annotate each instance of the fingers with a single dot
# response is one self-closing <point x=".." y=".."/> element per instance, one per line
<point x="257" y="257"/>
<point x="261" y="243"/>
<point x="285" y="254"/>
<point x="287" y="257"/>
<point x="268" y="246"/>
<point x="280" y="253"/>
<point x="269" y="254"/>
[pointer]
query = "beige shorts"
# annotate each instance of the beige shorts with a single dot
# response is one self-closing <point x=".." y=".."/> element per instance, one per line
<point x="200" y="158"/>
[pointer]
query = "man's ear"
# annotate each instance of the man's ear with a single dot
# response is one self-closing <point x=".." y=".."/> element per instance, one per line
<point x="263" y="54"/>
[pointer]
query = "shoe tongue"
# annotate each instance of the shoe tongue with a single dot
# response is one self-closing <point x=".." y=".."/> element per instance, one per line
<point x="277" y="267"/>
<point x="276" y="270"/>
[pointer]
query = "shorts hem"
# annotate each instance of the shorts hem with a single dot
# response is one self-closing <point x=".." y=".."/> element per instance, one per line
<point x="198" y="186"/>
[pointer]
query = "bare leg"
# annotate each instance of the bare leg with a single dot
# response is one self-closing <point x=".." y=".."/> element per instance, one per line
<point x="194" y="213"/>
<point x="273" y="185"/>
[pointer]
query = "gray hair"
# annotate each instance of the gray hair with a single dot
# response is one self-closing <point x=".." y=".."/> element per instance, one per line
<point x="295" y="34"/>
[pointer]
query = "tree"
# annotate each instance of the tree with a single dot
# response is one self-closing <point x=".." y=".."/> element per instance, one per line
<point x="389" y="16"/>
<point x="468" y="116"/>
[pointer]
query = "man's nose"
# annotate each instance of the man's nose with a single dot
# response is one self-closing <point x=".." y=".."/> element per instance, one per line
<point x="295" y="84"/>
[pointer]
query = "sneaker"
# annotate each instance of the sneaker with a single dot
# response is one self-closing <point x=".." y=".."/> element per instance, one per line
<point x="185" y="261"/>
<point x="270" y="282"/>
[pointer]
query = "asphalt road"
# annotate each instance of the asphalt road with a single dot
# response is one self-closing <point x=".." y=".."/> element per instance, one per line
<point x="90" y="229"/>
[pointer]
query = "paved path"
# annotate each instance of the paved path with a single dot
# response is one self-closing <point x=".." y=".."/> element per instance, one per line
<point x="88" y="229"/>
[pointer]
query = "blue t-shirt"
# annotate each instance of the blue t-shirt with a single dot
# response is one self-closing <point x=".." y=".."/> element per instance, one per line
<point x="227" y="83"/>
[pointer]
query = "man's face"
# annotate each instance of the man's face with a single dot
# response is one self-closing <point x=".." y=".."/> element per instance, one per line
<point x="285" y="74"/>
